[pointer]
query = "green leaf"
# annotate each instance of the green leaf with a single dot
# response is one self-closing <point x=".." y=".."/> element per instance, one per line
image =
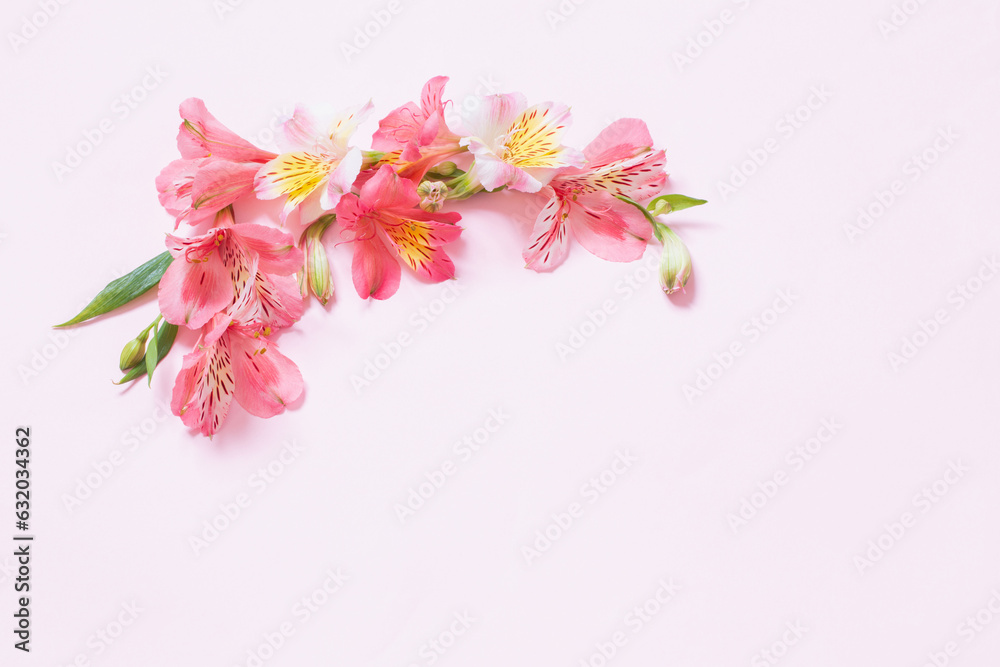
<point x="670" y="203"/>
<point x="151" y="355"/>
<point x="122" y="290"/>
<point x="164" y="340"/>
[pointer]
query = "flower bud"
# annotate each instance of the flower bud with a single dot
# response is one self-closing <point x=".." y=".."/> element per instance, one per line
<point x="432" y="195"/>
<point x="133" y="353"/>
<point x="675" y="261"/>
<point x="660" y="207"/>
<point x="444" y="169"/>
<point x="315" y="275"/>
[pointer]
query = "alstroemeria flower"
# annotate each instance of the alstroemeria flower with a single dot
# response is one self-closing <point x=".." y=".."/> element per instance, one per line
<point x="194" y="191"/>
<point x="583" y="202"/>
<point x="416" y="138"/>
<point x="217" y="167"/>
<point x="233" y="361"/>
<point x="516" y="145"/>
<point x="202" y="135"/>
<point x="383" y="222"/>
<point x="243" y="269"/>
<point x="315" y="160"/>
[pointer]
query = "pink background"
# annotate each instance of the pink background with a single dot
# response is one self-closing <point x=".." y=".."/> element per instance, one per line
<point x="799" y="556"/>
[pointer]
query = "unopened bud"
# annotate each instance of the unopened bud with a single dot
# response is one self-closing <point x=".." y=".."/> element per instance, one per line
<point x="444" y="169"/>
<point x="315" y="274"/>
<point x="660" y="207"/>
<point x="675" y="261"/>
<point x="133" y="353"/>
<point x="432" y="195"/>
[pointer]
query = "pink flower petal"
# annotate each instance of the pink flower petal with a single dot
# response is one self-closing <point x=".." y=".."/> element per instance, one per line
<point x="294" y="175"/>
<point x="410" y="128"/>
<point x="202" y="135"/>
<point x="266" y="380"/>
<point x="345" y="123"/>
<point x="387" y="190"/>
<point x="621" y="139"/>
<point x="637" y="176"/>
<point x="397" y="129"/>
<point x="190" y="293"/>
<point x="219" y="183"/>
<point x="341" y="179"/>
<point x="174" y="185"/>
<point x="609" y="228"/>
<point x="418" y="243"/>
<point x="549" y="241"/>
<point x="647" y="190"/>
<point x="271" y="300"/>
<point x="216" y="326"/>
<point x="349" y="213"/>
<point x="275" y="247"/>
<point x="428" y="133"/>
<point x="203" y="391"/>
<point x="431" y="97"/>
<point x="301" y="132"/>
<point x="494" y="173"/>
<point x="375" y="270"/>
<point x="533" y="139"/>
<point x="492" y="119"/>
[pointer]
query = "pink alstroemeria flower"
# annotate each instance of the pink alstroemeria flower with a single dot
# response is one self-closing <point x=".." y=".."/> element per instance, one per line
<point x="244" y="270"/>
<point x="518" y="146"/>
<point x="621" y="161"/>
<point x="315" y="161"/>
<point x="383" y="222"/>
<point x="415" y="138"/>
<point x="193" y="191"/>
<point x="216" y="168"/>
<point x="202" y="135"/>
<point x="233" y="360"/>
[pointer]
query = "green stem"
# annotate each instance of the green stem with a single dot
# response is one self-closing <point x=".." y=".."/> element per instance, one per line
<point x="652" y="221"/>
<point x="464" y="186"/>
<point x="144" y="332"/>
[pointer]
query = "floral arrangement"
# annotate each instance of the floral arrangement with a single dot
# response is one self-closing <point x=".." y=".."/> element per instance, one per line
<point x="237" y="283"/>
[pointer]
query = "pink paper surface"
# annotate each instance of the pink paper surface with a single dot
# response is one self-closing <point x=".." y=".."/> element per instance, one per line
<point x="793" y="463"/>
